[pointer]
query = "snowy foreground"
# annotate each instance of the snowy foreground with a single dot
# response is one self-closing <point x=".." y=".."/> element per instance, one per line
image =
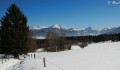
<point x="99" y="56"/>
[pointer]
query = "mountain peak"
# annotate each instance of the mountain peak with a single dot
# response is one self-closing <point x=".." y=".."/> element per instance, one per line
<point x="57" y="26"/>
<point x="89" y="28"/>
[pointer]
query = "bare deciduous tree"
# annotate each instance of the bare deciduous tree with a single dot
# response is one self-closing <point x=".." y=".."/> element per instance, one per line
<point x="32" y="45"/>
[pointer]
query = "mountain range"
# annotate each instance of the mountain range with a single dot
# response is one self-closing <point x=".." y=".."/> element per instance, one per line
<point x="41" y="32"/>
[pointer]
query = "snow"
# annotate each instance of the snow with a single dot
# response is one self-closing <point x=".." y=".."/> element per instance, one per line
<point x="74" y="47"/>
<point x="71" y="28"/>
<point x="97" y="56"/>
<point x="39" y="37"/>
<point x="39" y="50"/>
<point x="8" y="64"/>
<point x="38" y="27"/>
<point x="56" y="26"/>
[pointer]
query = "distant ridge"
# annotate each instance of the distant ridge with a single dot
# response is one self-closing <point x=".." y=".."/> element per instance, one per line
<point x="69" y="31"/>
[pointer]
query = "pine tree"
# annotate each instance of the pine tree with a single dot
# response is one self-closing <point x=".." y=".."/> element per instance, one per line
<point x="14" y="31"/>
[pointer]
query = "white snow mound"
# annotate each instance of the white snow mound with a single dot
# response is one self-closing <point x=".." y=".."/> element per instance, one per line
<point x="74" y="47"/>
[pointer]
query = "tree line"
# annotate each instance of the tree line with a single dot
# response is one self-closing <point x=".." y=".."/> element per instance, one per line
<point x="61" y="43"/>
<point x="96" y="38"/>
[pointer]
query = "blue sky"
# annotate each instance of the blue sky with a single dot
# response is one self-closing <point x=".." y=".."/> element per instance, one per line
<point x="68" y="13"/>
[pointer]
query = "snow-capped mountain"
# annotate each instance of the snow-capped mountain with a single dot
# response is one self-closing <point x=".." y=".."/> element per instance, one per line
<point x="90" y="31"/>
<point x="108" y="30"/>
<point x="115" y="30"/>
<point x="69" y="31"/>
<point x="56" y="26"/>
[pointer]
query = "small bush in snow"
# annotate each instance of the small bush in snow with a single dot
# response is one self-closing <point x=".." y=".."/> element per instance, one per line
<point x="84" y="44"/>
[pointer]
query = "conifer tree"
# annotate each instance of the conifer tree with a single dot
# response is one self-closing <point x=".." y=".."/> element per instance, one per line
<point x="14" y="31"/>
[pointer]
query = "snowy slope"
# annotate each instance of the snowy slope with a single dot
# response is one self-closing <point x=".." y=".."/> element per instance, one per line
<point x="6" y="65"/>
<point x="97" y="56"/>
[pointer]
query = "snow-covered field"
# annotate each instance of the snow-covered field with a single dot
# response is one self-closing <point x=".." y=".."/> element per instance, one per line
<point x="99" y="56"/>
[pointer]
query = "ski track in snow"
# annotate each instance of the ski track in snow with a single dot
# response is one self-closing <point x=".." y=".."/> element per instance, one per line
<point x="18" y="66"/>
<point x="33" y="64"/>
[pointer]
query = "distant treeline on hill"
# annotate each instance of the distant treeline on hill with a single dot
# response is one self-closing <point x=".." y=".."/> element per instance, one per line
<point x="95" y="38"/>
<point x="63" y="43"/>
<point x="68" y="41"/>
